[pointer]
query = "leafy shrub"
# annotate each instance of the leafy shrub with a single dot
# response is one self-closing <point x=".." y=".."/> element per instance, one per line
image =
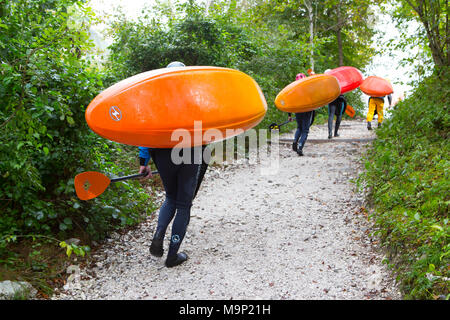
<point x="272" y="55"/>
<point x="46" y="84"/>
<point x="407" y="175"/>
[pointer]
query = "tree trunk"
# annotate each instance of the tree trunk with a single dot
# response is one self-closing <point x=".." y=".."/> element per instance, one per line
<point x="430" y="21"/>
<point x="309" y="7"/>
<point x="339" y="35"/>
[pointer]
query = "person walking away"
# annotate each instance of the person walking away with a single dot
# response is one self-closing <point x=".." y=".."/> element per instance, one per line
<point x="376" y="105"/>
<point x="304" y="121"/>
<point x="337" y="107"/>
<point x="181" y="183"/>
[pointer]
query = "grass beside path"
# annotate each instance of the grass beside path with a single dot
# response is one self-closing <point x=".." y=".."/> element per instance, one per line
<point x="407" y="178"/>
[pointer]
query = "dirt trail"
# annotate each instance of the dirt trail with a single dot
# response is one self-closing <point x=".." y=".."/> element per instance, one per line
<point x="299" y="234"/>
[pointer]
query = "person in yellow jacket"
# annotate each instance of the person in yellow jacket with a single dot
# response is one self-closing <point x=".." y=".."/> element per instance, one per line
<point x="376" y="105"/>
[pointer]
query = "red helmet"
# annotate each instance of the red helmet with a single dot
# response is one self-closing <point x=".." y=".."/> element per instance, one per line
<point x="300" y="76"/>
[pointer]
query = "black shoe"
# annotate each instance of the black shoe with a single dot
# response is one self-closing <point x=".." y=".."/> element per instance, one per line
<point x="300" y="152"/>
<point x="156" y="248"/>
<point x="336" y="135"/>
<point x="369" y="126"/>
<point x="294" y="147"/>
<point x="330" y="136"/>
<point x="174" y="261"/>
<point x="379" y="124"/>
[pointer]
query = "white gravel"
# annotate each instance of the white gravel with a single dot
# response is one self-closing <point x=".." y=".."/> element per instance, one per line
<point x="298" y="235"/>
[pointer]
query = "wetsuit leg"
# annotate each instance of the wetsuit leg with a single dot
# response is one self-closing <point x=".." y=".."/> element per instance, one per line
<point x="305" y="121"/>
<point x="299" y="130"/>
<point x="188" y="176"/>
<point x="168" y="173"/>
<point x="339" y="114"/>
<point x="331" y="112"/>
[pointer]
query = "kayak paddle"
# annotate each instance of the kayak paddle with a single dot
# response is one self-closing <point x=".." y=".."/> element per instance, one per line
<point x="274" y="126"/>
<point x="350" y="111"/>
<point x="91" y="184"/>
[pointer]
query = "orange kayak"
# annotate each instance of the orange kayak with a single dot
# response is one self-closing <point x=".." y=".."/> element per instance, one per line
<point x="308" y="94"/>
<point x="376" y="87"/>
<point x="144" y="110"/>
<point x="349" y="78"/>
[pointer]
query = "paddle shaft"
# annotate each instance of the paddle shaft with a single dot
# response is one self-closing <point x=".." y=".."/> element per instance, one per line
<point x="282" y="124"/>
<point x="274" y="125"/>
<point x="133" y="176"/>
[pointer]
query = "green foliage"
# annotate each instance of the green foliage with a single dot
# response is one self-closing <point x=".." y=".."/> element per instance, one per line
<point x="425" y="33"/>
<point x="46" y="84"/>
<point x="408" y="176"/>
<point x="265" y="40"/>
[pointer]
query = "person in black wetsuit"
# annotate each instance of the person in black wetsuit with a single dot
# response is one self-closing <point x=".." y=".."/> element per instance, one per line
<point x="181" y="184"/>
<point x="337" y="107"/>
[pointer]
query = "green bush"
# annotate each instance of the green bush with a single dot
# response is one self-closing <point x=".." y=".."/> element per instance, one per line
<point x="272" y="55"/>
<point x="45" y="85"/>
<point x="407" y="175"/>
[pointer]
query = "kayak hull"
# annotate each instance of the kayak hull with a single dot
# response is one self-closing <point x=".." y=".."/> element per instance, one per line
<point x="308" y="94"/>
<point x="349" y="78"/>
<point x="175" y="107"/>
<point x="374" y="86"/>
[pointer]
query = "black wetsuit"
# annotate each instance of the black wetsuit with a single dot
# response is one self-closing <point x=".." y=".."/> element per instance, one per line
<point x="337" y="107"/>
<point x="181" y="183"/>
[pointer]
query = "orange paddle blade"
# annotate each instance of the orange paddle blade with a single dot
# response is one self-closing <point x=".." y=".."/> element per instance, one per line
<point x="350" y="111"/>
<point x="90" y="184"/>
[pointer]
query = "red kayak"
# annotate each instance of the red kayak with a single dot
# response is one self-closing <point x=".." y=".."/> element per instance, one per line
<point x="376" y="87"/>
<point x="349" y="78"/>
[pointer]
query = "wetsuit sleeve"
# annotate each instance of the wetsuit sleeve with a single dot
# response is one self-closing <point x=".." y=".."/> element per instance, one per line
<point x="144" y="156"/>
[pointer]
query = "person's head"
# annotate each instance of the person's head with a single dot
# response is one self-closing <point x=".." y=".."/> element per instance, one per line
<point x="175" y="64"/>
<point x="300" y="76"/>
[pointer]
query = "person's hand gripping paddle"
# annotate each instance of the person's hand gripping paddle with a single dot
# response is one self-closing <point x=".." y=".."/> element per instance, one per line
<point x="275" y="126"/>
<point x="91" y="184"/>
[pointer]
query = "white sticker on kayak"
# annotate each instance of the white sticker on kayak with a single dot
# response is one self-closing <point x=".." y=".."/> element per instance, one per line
<point x="115" y="113"/>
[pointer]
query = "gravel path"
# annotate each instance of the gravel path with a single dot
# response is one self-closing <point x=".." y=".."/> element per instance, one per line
<point x="300" y="234"/>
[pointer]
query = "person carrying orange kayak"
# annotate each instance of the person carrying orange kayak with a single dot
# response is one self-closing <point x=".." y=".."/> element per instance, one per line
<point x="181" y="183"/>
<point x="304" y="121"/>
<point x="376" y="105"/>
